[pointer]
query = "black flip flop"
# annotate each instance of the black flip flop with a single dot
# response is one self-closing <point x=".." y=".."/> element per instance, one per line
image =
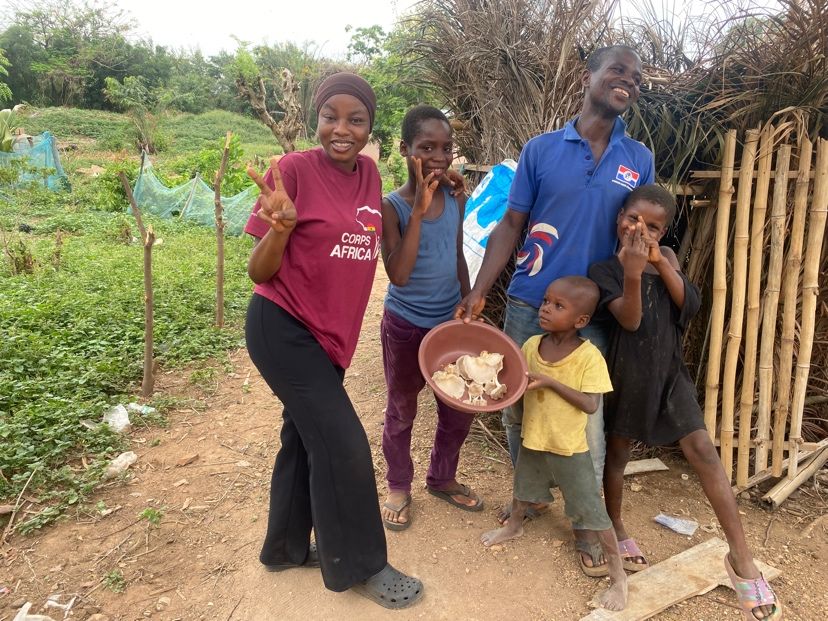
<point x="396" y="509"/>
<point x="464" y="490"/>
<point x="530" y="514"/>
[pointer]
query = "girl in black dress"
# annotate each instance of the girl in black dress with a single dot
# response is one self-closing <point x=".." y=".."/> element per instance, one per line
<point x="648" y="303"/>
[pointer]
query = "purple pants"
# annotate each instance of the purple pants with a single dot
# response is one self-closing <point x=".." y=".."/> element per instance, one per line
<point x="400" y="344"/>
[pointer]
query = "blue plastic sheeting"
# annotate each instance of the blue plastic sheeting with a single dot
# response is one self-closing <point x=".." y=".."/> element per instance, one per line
<point x="484" y="209"/>
<point x="193" y="200"/>
<point x="38" y="152"/>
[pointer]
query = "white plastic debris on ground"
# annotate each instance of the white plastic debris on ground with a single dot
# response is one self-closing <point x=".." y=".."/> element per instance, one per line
<point x="677" y="524"/>
<point x="23" y="615"/>
<point x="120" y="464"/>
<point x="117" y="418"/>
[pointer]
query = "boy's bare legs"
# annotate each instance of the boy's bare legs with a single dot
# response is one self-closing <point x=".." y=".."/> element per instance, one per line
<point x="511" y="529"/>
<point x="618" y="454"/>
<point x="702" y="455"/>
<point x="615" y="597"/>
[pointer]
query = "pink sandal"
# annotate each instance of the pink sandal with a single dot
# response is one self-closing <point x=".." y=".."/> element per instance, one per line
<point x="752" y="594"/>
<point x="629" y="550"/>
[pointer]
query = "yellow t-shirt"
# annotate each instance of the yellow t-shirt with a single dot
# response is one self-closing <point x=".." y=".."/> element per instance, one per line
<point x="550" y="423"/>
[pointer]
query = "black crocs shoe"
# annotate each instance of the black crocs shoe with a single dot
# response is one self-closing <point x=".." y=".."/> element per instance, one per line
<point x="311" y="561"/>
<point x="391" y="588"/>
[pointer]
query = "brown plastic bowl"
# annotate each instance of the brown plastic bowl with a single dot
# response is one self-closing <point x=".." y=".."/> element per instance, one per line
<point x="448" y="341"/>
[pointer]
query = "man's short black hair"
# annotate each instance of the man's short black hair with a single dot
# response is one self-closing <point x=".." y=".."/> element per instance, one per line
<point x="597" y="58"/>
<point x="653" y="193"/>
<point x="414" y="118"/>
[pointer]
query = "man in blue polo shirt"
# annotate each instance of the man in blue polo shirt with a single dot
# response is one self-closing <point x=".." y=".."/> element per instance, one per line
<point x="568" y="189"/>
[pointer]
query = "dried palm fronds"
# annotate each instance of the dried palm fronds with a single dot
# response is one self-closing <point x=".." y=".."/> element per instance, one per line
<point x="508" y="69"/>
<point x="733" y="69"/>
<point x="511" y="69"/>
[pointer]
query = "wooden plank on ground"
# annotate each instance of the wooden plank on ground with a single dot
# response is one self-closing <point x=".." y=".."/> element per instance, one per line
<point x="692" y="572"/>
<point x="644" y="465"/>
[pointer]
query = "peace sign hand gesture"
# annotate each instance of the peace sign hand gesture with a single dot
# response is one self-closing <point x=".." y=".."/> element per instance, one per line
<point x="276" y="207"/>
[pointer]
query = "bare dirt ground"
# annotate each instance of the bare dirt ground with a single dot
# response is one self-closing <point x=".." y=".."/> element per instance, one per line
<point x="200" y="561"/>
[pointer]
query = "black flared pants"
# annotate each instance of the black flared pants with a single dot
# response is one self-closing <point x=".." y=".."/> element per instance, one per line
<point x="324" y="476"/>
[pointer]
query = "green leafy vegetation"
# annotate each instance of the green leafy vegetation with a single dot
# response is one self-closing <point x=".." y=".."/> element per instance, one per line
<point x="152" y="516"/>
<point x="115" y="581"/>
<point x="73" y="329"/>
<point x="5" y="91"/>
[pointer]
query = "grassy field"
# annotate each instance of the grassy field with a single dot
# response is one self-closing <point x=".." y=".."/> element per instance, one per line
<point x="71" y="308"/>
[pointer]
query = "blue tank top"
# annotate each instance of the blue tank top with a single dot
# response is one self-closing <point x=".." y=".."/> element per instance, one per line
<point x="433" y="289"/>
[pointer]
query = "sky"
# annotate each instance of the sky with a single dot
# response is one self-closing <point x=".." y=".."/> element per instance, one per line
<point x="210" y="26"/>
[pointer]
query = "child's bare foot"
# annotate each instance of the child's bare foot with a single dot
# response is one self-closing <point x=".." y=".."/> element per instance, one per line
<point x="499" y="535"/>
<point x="615" y="597"/>
<point x="395" y="510"/>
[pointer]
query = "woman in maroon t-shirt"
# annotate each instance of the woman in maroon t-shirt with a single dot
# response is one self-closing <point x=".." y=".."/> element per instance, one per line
<point x="317" y="226"/>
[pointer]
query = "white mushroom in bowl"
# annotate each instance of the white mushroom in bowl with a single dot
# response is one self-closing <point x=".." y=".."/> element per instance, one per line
<point x="475" y="375"/>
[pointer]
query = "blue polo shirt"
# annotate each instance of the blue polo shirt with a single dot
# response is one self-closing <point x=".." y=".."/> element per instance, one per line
<point x="572" y="203"/>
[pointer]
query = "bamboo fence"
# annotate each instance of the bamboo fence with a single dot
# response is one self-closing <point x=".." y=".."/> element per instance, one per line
<point x="752" y="254"/>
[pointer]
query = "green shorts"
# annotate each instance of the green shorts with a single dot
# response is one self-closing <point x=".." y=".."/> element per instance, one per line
<point x="574" y="475"/>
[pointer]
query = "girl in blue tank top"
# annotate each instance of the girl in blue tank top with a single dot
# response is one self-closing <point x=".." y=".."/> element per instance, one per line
<point x="422" y="250"/>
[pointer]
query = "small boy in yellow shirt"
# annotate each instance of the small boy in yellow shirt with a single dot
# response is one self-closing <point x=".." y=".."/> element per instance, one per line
<point x="567" y="377"/>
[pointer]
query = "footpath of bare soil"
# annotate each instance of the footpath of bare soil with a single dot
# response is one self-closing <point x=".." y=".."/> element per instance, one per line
<point x="200" y="561"/>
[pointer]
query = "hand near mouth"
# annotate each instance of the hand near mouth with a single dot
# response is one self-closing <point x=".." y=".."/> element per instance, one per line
<point x="454" y="179"/>
<point x="654" y="255"/>
<point x="634" y="254"/>
<point x="276" y="207"/>
<point x="425" y="188"/>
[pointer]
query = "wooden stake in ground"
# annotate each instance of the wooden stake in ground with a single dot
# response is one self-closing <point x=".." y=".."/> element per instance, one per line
<point x="757" y="247"/>
<point x="220" y="235"/>
<point x="737" y="299"/>
<point x="790" y="286"/>
<point x="810" y="292"/>
<point x="770" y="305"/>
<point x="711" y="396"/>
<point x="148" y="239"/>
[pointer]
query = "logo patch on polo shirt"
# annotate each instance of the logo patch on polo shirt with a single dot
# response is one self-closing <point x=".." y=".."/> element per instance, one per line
<point x="626" y="177"/>
<point x="540" y="235"/>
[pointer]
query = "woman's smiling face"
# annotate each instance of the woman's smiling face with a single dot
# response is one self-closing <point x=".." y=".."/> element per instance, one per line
<point x="343" y="129"/>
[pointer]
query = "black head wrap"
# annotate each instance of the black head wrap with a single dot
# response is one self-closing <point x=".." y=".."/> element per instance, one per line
<point x="347" y="84"/>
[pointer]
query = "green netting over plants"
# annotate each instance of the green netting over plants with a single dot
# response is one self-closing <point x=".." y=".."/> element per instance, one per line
<point x="194" y="200"/>
<point x="36" y="160"/>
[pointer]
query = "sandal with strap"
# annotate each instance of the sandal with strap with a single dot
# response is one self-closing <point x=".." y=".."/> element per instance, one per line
<point x="464" y="490"/>
<point x="391" y="588"/>
<point x="595" y="552"/>
<point x="390" y="524"/>
<point x="629" y="551"/>
<point x="753" y="593"/>
<point x="532" y="513"/>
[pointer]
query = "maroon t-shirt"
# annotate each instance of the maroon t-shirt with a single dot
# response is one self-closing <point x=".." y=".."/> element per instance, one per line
<point x="328" y="265"/>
